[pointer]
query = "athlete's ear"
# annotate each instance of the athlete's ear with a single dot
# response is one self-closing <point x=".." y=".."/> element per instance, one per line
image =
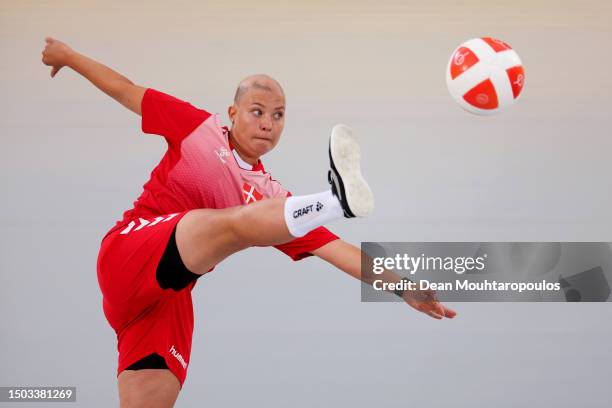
<point x="231" y="112"/>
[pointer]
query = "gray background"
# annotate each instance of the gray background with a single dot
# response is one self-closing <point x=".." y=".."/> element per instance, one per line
<point x="274" y="333"/>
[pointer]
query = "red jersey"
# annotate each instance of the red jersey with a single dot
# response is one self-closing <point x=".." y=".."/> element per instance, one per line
<point x="201" y="170"/>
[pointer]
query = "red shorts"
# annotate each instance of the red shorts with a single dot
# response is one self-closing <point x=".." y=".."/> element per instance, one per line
<point x="146" y="318"/>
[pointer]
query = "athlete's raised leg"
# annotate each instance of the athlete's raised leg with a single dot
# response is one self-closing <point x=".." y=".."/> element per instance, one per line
<point x="205" y="237"/>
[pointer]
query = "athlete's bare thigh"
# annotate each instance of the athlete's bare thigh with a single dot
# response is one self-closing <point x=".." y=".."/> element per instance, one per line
<point x="205" y="237"/>
<point x="150" y="388"/>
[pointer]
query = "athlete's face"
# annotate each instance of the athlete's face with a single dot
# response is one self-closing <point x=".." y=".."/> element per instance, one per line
<point x="257" y="119"/>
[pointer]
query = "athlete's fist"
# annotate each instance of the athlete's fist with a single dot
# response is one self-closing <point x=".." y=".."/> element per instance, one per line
<point x="56" y="54"/>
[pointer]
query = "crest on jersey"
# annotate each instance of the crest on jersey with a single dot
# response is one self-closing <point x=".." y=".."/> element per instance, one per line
<point x="249" y="194"/>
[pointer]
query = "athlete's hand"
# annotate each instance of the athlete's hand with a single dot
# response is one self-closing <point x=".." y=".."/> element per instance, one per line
<point x="56" y="55"/>
<point x="425" y="301"/>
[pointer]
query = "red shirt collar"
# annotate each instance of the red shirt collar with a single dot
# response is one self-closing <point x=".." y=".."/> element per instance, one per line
<point x="258" y="166"/>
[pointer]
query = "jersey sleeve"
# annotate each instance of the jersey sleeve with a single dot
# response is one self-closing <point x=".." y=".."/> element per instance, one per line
<point x="169" y="117"/>
<point x="301" y="248"/>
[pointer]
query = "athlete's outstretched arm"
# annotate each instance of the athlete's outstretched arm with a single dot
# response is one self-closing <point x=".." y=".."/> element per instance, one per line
<point x="58" y="55"/>
<point x="347" y="257"/>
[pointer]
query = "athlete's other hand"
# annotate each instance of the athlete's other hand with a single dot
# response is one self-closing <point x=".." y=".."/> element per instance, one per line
<point x="425" y="301"/>
<point x="56" y="55"/>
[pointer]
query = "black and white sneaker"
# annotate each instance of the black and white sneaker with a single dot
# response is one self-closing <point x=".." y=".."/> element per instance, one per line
<point x="345" y="177"/>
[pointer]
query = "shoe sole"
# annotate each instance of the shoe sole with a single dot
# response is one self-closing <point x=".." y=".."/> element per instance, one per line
<point x="346" y="157"/>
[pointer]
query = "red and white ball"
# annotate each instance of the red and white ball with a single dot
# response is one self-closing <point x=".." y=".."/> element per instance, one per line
<point x="485" y="75"/>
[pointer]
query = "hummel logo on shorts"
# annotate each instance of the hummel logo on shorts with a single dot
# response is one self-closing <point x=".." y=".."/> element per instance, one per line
<point x="178" y="356"/>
